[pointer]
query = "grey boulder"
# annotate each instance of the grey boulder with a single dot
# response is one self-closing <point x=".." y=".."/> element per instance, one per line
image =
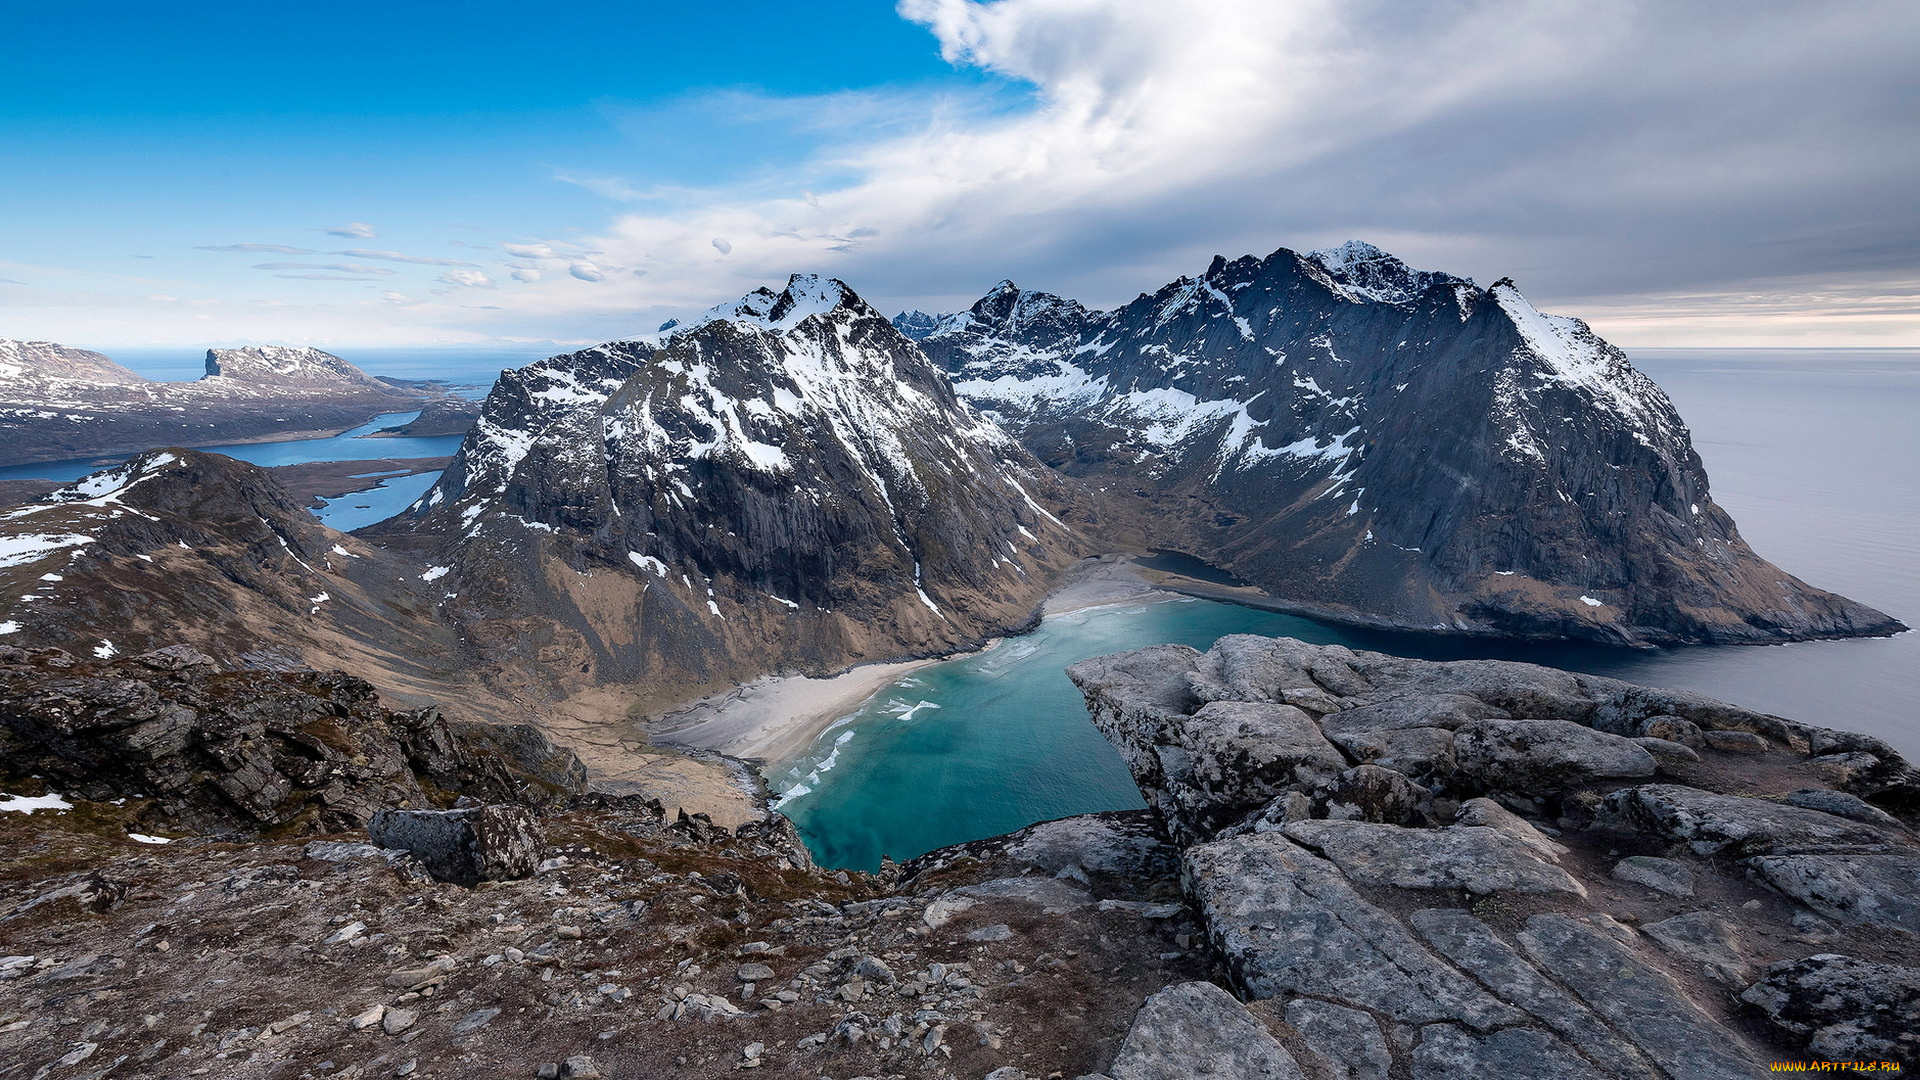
<point x="1846" y="1009"/>
<point x="464" y="847"/>
<point x="1536" y="756"/>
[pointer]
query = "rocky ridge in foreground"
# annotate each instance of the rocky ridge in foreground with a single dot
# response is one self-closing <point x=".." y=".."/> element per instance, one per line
<point x="1426" y="869"/>
<point x="1378" y="868"/>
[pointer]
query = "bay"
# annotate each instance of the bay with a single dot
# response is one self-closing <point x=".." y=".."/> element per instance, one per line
<point x="1812" y="451"/>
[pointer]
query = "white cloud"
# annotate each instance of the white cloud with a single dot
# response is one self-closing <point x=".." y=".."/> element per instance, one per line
<point x="394" y="256"/>
<point x="526" y="273"/>
<point x="353" y="230"/>
<point x="1589" y="148"/>
<point x="344" y="268"/>
<point x="586" y="271"/>
<point x="264" y="249"/>
<point x="530" y="251"/>
<point x="472" y="279"/>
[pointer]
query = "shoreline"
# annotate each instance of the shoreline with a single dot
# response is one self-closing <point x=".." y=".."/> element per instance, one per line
<point x="776" y="717"/>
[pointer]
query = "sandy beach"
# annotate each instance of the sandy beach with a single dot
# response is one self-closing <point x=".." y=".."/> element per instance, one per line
<point x="775" y="718"/>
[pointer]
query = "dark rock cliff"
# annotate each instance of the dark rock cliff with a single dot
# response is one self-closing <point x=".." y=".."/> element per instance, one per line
<point x="1383" y="444"/>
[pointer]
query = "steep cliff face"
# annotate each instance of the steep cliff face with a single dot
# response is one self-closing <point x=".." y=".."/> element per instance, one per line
<point x="306" y="369"/>
<point x="783" y="482"/>
<point x="1379" y="443"/>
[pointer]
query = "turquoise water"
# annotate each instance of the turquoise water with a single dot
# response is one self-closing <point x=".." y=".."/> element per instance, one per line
<point x="347" y="513"/>
<point x="1812" y="451"/>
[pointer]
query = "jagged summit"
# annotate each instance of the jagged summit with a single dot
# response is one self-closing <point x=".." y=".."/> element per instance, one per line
<point x="1365" y="273"/>
<point x="1386" y="444"/>
<point x="784" y="479"/>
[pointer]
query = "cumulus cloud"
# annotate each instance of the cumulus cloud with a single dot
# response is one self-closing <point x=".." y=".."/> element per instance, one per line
<point x="395" y="256"/>
<point x="1590" y="149"/>
<point x="353" y="230"/>
<point x="472" y="279"/>
<point x="586" y="271"/>
<point x="258" y="249"/>
<point x="530" y="251"/>
<point x="526" y="273"/>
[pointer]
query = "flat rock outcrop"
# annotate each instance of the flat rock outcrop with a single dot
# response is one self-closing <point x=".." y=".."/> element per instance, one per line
<point x="1514" y="883"/>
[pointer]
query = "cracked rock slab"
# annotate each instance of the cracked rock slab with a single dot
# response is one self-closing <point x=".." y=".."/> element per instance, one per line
<point x="1480" y="859"/>
<point x="1197" y="1029"/>
<point x="1287" y="922"/>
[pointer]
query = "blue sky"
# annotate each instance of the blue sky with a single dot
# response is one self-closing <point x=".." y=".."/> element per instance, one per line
<point x="420" y="173"/>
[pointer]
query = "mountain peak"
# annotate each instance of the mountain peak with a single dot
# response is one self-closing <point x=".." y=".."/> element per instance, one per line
<point x="27" y="361"/>
<point x="805" y="296"/>
<point x="1363" y="273"/>
<point x="303" y="367"/>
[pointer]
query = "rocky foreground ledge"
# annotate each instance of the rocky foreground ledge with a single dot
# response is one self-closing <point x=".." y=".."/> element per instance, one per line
<point x="1355" y="866"/>
<point x="1417" y="869"/>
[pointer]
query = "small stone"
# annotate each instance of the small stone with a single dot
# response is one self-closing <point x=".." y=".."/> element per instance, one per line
<point x="1842" y="804"/>
<point x="580" y="1067"/>
<point x="569" y="933"/>
<point x="1736" y="742"/>
<point x="346" y="933"/>
<point x="1661" y="875"/>
<point x="398" y="1020"/>
<point x="1673" y="729"/>
<point x="996" y="932"/>
<point x="406" y="1067"/>
<point x="368" y="1019"/>
<point x="1666" y="752"/>
<point x="548" y="1070"/>
<point x="754" y="973"/>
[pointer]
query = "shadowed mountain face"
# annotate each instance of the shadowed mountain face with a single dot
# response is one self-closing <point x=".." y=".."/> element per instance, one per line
<point x="178" y="546"/>
<point x="1387" y="445"/>
<point x="785" y="482"/>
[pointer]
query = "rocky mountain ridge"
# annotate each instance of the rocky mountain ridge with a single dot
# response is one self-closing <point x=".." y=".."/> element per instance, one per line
<point x="58" y="402"/>
<point x="783" y="483"/>
<point x="1379" y="444"/>
<point x="182" y="546"/>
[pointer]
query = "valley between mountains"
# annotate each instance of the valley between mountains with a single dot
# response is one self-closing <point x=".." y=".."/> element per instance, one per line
<point x="1352" y="864"/>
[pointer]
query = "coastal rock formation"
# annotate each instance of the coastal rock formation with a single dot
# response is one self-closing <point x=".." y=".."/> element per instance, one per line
<point x="1379" y="444"/>
<point x="1489" y="920"/>
<point x="785" y="482"/>
<point x="58" y="403"/>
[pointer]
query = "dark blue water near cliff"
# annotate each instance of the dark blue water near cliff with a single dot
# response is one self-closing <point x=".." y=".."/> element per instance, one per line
<point x="1813" y="452"/>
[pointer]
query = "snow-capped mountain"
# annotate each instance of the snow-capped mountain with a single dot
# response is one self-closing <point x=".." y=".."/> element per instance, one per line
<point x="783" y="481"/>
<point x="260" y="366"/>
<point x="1386" y="444"/>
<point x="58" y="402"/>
